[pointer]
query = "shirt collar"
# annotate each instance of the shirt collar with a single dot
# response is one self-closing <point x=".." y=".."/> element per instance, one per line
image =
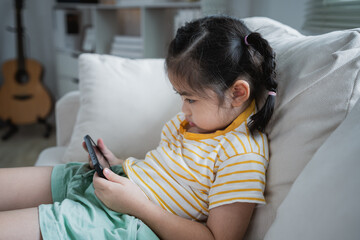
<point x="236" y="123"/>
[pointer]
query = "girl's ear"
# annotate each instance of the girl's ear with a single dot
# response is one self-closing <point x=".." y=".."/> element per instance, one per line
<point x="240" y="92"/>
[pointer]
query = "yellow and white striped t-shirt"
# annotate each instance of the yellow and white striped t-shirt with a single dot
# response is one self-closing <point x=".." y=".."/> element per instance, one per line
<point x="190" y="173"/>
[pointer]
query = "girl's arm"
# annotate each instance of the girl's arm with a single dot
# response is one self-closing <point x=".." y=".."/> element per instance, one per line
<point x="224" y="222"/>
<point x="121" y="195"/>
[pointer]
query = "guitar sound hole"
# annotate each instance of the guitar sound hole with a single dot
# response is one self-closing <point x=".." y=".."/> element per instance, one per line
<point x="23" y="97"/>
<point x="22" y="76"/>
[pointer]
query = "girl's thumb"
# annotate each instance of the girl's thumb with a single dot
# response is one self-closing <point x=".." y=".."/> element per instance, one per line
<point x="111" y="176"/>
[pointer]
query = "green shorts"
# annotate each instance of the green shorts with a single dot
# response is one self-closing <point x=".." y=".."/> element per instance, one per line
<point x="78" y="214"/>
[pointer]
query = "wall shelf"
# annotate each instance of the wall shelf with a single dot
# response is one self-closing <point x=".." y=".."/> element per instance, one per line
<point x="129" y="4"/>
<point x="152" y="22"/>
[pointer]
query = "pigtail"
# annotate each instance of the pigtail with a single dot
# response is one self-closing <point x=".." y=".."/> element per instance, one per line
<point x="263" y="116"/>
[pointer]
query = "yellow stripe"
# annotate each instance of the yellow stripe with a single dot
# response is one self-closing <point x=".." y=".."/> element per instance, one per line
<point x="216" y="140"/>
<point x="168" y="194"/>
<point x="173" y="124"/>
<point x="203" y="200"/>
<point x="181" y="176"/>
<point x="198" y="164"/>
<point x="125" y="167"/>
<point x="168" y="143"/>
<point x="178" y="117"/>
<point x="248" y="135"/>
<point x="194" y="152"/>
<point x="198" y="147"/>
<point x="160" y="200"/>
<point x="153" y="157"/>
<point x="161" y="204"/>
<point x="183" y="155"/>
<point x="263" y="142"/>
<point x="195" y="179"/>
<point x="222" y="147"/>
<point x="212" y="160"/>
<point x="259" y="155"/>
<point x="257" y="144"/>
<point x="171" y="143"/>
<point x="204" y="175"/>
<point x="207" y="144"/>
<point x="243" y="145"/>
<point x="237" y="190"/>
<point x="238" y="198"/>
<point x="243" y="162"/>
<point x="167" y="126"/>
<point x="218" y="157"/>
<point x="232" y="146"/>
<point x="238" y="181"/>
<point x="201" y="165"/>
<point x="245" y="171"/>
<point x="176" y="190"/>
<point x="240" y="154"/>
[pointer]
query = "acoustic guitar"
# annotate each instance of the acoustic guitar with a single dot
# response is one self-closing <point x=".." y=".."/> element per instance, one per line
<point x="23" y="98"/>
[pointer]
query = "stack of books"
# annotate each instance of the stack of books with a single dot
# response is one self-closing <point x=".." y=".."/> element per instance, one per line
<point x="127" y="46"/>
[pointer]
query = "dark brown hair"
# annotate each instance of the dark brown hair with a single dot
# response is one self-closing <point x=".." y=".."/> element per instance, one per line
<point x="211" y="53"/>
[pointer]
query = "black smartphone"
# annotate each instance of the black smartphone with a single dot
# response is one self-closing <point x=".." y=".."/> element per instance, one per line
<point x="92" y="149"/>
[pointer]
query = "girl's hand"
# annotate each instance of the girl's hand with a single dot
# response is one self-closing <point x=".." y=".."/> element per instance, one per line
<point x="119" y="193"/>
<point x="111" y="158"/>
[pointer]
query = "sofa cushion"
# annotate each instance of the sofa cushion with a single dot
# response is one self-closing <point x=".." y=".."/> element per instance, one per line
<point x="125" y="102"/>
<point x="319" y="82"/>
<point x="50" y="156"/>
<point x="323" y="202"/>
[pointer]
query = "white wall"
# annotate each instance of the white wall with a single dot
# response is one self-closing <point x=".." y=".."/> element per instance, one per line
<point x="38" y="20"/>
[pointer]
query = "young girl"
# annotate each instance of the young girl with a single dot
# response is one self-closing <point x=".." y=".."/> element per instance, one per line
<point x="202" y="181"/>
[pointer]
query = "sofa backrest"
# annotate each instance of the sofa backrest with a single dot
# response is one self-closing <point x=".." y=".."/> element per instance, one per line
<point x="319" y="83"/>
<point x="126" y="102"/>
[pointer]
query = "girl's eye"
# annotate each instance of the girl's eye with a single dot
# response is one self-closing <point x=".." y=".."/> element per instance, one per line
<point x="189" y="100"/>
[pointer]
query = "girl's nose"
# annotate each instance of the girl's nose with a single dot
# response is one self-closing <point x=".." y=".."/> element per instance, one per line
<point x="185" y="108"/>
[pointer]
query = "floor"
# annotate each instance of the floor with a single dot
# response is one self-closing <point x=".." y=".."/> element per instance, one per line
<point x="23" y="148"/>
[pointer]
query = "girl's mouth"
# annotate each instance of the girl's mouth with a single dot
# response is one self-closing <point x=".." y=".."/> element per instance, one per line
<point x="191" y="124"/>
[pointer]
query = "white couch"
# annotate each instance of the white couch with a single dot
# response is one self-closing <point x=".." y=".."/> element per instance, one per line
<point x="313" y="178"/>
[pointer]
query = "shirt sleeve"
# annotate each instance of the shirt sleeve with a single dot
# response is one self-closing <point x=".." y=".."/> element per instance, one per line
<point x="240" y="178"/>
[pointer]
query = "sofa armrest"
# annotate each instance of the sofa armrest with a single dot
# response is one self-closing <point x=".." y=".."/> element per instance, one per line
<point x="66" y="112"/>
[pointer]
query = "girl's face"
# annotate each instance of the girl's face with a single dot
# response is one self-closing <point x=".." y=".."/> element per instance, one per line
<point x="205" y="115"/>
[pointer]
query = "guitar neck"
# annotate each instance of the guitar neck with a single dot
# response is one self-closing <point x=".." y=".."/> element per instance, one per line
<point x="19" y="40"/>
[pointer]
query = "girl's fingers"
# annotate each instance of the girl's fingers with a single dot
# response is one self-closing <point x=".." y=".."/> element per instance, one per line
<point x="101" y="145"/>
<point x="84" y="146"/>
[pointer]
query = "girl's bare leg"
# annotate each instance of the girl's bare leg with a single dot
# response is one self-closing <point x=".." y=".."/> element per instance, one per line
<point x="25" y="187"/>
<point x="20" y="224"/>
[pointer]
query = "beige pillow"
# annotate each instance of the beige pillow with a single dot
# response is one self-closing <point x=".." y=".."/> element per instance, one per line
<point x="318" y="85"/>
<point x="125" y="102"/>
<point x="323" y="202"/>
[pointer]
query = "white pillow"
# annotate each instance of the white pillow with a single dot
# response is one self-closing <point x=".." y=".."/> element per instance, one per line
<point x="125" y="102"/>
<point x="319" y="82"/>
<point x="323" y="203"/>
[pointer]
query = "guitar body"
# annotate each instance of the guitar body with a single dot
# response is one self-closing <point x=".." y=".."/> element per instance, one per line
<point x="24" y="103"/>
